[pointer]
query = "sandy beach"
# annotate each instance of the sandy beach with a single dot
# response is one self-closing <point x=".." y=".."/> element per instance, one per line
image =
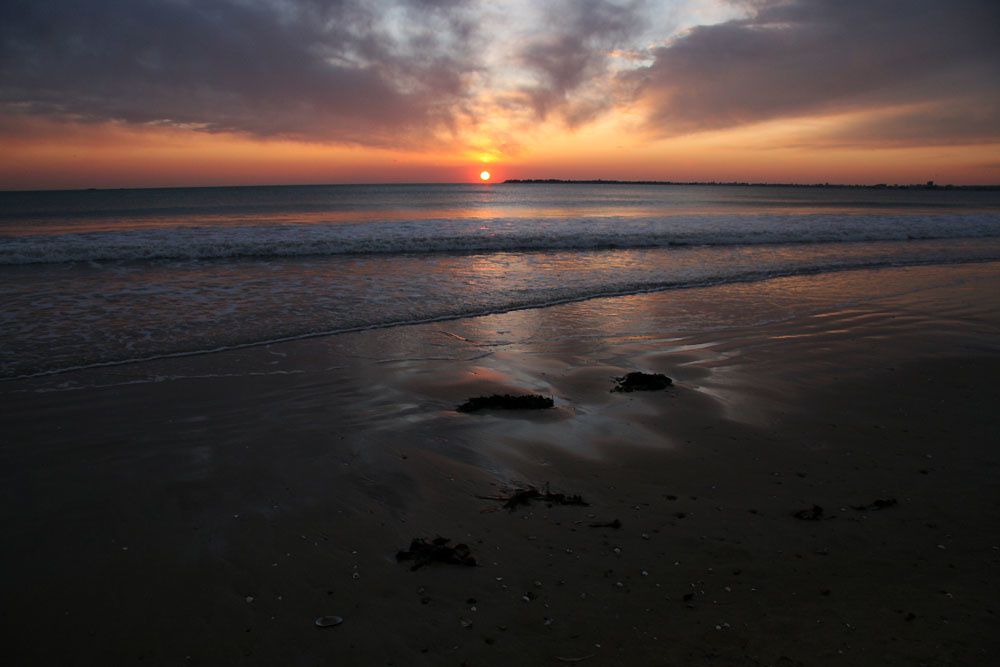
<point x="207" y="510"/>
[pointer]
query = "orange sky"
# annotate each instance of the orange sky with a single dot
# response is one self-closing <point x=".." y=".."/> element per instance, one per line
<point x="109" y="155"/>
<point x="599" y="95"/>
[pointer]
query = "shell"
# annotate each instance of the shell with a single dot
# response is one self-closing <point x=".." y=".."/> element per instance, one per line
<point x="327" y="621"/>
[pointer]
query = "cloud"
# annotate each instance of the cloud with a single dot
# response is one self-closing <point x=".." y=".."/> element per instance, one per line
<point x="569" y="59"/>
<point x="970" y="121"/>
<point x="799" y="58"/>
<point x="415" y="73"/>
<point x="341" y="70"/>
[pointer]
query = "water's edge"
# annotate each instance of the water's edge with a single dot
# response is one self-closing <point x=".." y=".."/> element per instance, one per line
<point x="748" y="278"/>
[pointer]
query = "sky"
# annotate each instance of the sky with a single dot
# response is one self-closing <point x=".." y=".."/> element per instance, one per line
<point x="135" y="93"/>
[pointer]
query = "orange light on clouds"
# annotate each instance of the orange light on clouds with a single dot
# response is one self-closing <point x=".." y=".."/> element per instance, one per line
<point x="540" y="99"/>
<point x="46" y="154"/>
<point x="41" y="153"/>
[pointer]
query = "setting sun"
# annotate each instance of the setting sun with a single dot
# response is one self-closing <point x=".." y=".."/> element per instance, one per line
<point x="688" y="192"/>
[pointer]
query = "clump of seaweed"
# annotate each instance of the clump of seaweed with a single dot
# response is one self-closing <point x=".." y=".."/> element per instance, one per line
<point x="506" y="402"/>
<point x="437" y="550"/>
<point x="877" y="504"/>
<point x="814" y="513"/>
<point x="526" y="496"/>
<point x="637" y="381"/>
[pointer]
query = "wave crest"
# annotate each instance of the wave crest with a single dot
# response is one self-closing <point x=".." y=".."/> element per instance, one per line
<point x="464" y="236"/>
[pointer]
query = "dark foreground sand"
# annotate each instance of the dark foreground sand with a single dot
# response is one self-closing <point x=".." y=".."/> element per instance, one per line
<point x="206" y="510"/>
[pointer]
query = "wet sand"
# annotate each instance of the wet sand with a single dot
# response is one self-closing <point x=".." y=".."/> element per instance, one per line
<point x="206" y="510"/>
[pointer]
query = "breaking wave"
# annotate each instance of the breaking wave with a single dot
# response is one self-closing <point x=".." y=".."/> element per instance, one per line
<point x="471" y="236"/>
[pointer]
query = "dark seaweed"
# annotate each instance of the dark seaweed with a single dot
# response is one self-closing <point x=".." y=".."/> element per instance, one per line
<point x="437" y="550"/>
<point x="506" y="402"/>
<point x="637" y="381"/>
<point x="526" y="496"/>
<point x="877" y="504"/>
<point x="815" y="513"/>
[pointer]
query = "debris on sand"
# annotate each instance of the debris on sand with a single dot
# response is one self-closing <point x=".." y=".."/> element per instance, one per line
<point x="506" y="402"/>
<point x="637" y="381"/>
<point x="525" y="496"/>
<point x="877" y="504"/>
<point x="437" y="550"/>
<point x="815" y="513"/>
<point x="616" y="524"/>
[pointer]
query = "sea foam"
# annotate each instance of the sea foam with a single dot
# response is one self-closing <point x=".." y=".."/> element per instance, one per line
<point x="465" y="236"/>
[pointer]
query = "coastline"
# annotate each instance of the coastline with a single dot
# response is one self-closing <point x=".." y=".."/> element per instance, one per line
<point x="533" y="181"/>
<point x="205" y="510"/>
<point x="929" y="185"/>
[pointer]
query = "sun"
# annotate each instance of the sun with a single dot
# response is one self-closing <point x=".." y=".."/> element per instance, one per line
<point x="485" y="175"/>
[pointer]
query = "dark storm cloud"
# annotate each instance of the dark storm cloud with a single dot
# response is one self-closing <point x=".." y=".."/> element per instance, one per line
<point x="572" y="50"/>
<point x="973" y="120"/>
<point x="937" y="62"/>
<point x="345" y="70"/>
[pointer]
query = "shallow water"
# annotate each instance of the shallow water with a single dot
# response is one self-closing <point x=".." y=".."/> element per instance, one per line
<point x="108" y="276"/>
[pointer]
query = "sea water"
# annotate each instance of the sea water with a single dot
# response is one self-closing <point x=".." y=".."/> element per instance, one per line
<point x="103" y="277"/>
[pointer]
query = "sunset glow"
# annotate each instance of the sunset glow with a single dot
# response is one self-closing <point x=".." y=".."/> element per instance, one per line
<point x="597" y="89"/>
<point x="294" y="289"/>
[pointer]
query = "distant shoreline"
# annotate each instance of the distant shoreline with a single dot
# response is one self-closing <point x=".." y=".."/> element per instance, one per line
<point x="929" y="185"/>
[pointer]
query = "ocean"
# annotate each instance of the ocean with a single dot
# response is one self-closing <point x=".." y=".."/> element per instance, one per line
<point x="103" y="277"/>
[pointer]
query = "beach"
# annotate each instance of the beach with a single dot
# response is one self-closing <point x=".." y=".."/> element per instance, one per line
<point x="207" y="509"/>
<point x="423" y="333"/>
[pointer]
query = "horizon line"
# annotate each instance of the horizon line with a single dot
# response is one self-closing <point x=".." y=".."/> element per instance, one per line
<point x="927" y="185"/>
